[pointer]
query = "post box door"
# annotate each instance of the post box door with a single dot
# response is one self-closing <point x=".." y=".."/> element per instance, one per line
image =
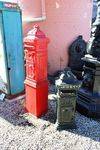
<point x="4" y="83"/>
<point x="66" y="114"/>
<point x="14" y="47"/>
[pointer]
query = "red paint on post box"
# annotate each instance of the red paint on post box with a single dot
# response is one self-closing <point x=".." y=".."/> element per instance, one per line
<point x="36" y="98"/>
<point x="36" y="83"/>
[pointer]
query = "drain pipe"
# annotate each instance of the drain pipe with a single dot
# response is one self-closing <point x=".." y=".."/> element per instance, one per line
<point x="30" y="19"/>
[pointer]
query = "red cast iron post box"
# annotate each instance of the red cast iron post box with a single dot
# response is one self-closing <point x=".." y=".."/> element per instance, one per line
<point x="36" y="83"/>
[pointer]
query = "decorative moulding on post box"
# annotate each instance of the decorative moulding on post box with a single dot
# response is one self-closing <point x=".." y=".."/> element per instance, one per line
<point x="36" y="83"/>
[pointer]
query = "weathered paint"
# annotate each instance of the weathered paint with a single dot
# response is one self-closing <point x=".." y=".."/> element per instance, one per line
<point x="4" y="86"/>
<point x="13" y="49"/>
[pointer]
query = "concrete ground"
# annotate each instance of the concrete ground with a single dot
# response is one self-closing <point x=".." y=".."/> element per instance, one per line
<point x="20" y="131"/>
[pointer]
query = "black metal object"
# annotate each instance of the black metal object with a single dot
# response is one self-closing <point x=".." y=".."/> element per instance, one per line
<point x="94" y="42"/>
<point x="77" y="50"/>
<point x="54" y="77"/>
<point x="88" y="100"/>
<point x="67" y="86"/>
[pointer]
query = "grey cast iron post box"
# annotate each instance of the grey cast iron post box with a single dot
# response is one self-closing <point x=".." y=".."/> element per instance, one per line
<point x="67" y="86"/>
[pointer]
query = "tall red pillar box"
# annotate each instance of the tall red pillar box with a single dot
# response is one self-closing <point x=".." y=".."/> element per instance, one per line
<point x="36" y="83"/>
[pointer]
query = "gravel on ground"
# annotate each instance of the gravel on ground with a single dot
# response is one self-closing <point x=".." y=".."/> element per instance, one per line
<point x="20" y="131"/>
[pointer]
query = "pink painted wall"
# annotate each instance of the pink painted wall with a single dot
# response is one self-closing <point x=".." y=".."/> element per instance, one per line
<point x="66" y="19"/>
<point x="31" y="8"/>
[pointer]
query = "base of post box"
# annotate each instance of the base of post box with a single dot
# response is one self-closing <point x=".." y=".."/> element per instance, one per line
<point x="36" y="98"/>
<point x="66" y="125"/>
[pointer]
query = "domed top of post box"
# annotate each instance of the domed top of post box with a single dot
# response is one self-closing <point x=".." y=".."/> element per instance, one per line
<point x="34" y="34"/>
<point x="35" y="40"/>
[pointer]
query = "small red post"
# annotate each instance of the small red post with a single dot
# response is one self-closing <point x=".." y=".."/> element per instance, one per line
<point x="36" y="83"/>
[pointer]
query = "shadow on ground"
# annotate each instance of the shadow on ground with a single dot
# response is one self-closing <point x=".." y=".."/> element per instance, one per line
<point x="86" y="127"/>
<point x="13" y="113"/>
